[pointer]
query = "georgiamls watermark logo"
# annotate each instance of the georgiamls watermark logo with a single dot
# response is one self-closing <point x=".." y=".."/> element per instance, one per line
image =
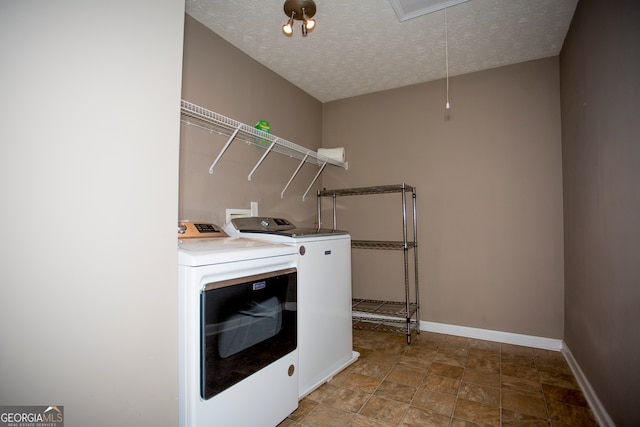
<point x="32" y="416"/>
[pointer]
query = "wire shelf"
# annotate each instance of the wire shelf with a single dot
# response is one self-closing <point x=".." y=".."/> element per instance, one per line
<point x="377" y="325"/>
<point x="223" y="125"/>
<point x="380" y="189"/>
<point x="381" y="308"/>
<point x="378" y="244"/>
<point x="213" y="122"/>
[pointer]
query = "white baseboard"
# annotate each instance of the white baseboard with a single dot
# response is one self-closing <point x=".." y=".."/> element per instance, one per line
<point x="489" y="335"/>
<point x="601" y="414"/>
<point x="602" y="417"/>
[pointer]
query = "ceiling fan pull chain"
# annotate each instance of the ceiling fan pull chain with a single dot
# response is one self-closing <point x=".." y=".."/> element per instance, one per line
<point x="446" y="55"/>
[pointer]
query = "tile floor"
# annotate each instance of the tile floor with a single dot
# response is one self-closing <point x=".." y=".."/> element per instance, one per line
<point x="444" y="380"/>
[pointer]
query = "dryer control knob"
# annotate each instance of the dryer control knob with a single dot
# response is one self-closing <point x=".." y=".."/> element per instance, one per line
<point x="264" y="222"/>
<point x="302" y="250"/>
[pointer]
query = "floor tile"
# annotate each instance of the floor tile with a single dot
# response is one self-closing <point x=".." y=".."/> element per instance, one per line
<point x="481" y="364"/>
<point x="457" y="422"/>
<point x="362" y="421"/>
<point x="454" y="349"/>
<point x="416" y="417"/>
<point x="320" y="393"/>
<point x="395" y="391"/>
<point x="552" y="360"/>
<point x="451" y="359"/>
<point x="346" y="399"/>
<point x="430" y="336"/>
<point x="525" y="404"/>
<point x="484" y="345"/>
<point x="339" y="378"/>
<point x="521" y="386"/>
<point x="482" y="394"/>
<point x="518" y="359"/>
<point x="441" y="384"/>
<point x="396" y="347"/>
<point x="566" y="395"/>
<point x="433" y="400"/>
<point x="477" y="412"/>
<point x="520" y="371"/>
<point x="304" y="407"/>
<point x="360" y="382"/>
<point x="485" y="352"/>
<point x="414" y="361"/>
<point x="327" y="416"/>
<point x="509" y="350"/>
<point x="387" y="411"/>
<point x="481" y="378"/>
<point x="445" y="380"/>
<point x="516" y="419"/>
<point x="385" y="357"/>
<point x="561" y="379"/>
<point x="364" y="352"/>
<point x="406" y="375"/>
<point x="571" y="415"/>
<point x="374" y="369"/>
<point x="455" y="340"/>
<point x="421" y="353"/>
<point x="446" y="370"/>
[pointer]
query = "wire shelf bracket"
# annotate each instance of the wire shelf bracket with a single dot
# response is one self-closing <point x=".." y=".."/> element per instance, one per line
<point x="203" y="118"/>
<point x="229" y="141"/>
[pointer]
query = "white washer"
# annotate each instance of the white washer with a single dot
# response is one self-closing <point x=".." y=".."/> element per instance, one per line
<point x="263" y="398"/>
<point x="325" y="339"/>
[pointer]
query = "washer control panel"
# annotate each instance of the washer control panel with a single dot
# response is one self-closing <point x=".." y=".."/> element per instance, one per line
<point x="261" y="224"/>
<point x="188" y="230"/>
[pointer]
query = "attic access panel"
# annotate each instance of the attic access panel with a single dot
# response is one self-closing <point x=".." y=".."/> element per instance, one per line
<point x="408" y="9"/>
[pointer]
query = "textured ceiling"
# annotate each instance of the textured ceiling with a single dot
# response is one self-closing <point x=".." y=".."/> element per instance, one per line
<point x="359" y="47"/>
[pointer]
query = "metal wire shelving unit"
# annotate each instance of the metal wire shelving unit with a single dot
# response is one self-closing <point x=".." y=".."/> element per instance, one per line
<point x="393" y="316"/>
<point x="211" y="121"/>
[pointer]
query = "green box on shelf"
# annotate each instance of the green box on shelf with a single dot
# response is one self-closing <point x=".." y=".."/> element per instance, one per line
<point x="263" y="125"/>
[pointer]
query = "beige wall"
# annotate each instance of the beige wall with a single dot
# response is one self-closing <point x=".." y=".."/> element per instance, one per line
<point x="600" y="69"/>
<point x="219" y="77"/>
<point x="489" y="194"/>
<point x="89" y="187"/>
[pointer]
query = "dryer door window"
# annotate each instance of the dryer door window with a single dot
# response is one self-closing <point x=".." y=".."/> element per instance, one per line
<point x="246" y="324"/>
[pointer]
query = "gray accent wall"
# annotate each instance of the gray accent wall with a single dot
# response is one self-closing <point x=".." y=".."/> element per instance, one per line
<point x="600" y="92"/>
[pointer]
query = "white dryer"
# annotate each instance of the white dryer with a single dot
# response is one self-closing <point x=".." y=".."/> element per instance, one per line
<point x="237" y="329"/>
<point x="325" y="339"/>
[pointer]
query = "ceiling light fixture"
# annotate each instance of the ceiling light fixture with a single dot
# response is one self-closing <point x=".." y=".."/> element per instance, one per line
<point x="301" y="10"/>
